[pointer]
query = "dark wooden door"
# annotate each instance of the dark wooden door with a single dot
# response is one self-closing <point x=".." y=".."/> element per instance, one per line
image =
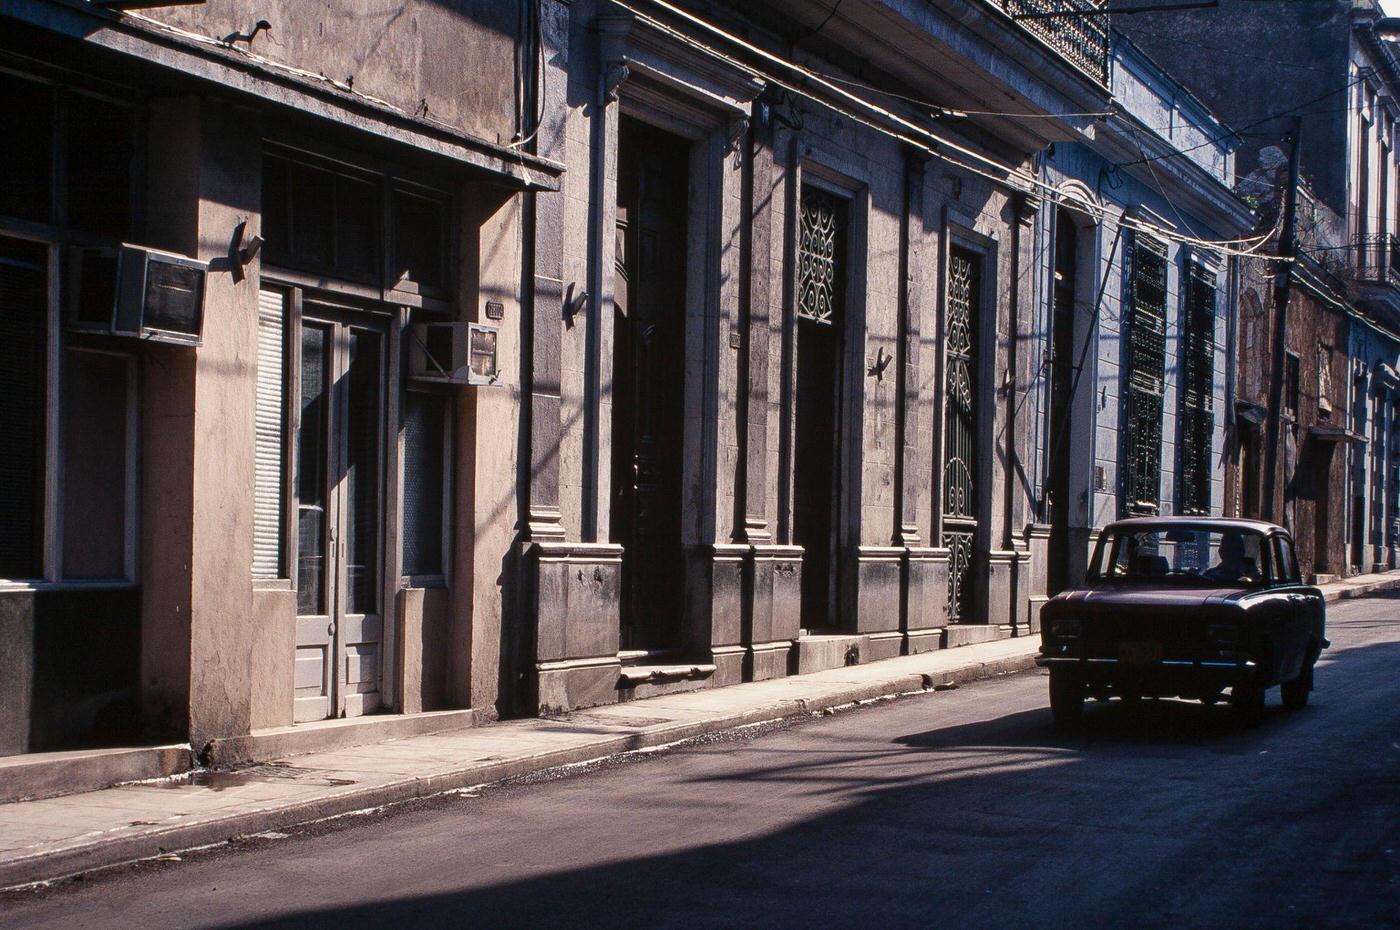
<point x="648" y="412"/>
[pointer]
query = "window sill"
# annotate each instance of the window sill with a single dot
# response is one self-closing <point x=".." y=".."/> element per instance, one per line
<point x="117" y="584"/>
<point x="426" y="582"/>
<point x="272" y="584"/>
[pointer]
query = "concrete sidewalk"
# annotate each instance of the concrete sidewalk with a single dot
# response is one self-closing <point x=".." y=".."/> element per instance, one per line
<point x="55" y="837"/>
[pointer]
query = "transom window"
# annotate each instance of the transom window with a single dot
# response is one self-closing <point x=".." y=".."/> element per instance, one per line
<point x="821" y="272"/>
<point x="355" y="224"/>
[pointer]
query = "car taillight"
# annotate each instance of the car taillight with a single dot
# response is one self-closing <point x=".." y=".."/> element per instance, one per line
<point x="1065" y="626"/>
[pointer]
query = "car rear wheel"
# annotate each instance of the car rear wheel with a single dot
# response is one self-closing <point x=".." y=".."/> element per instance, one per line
<point x="1295" y="693"/>
<point x="1248" y="702"/>
<point x="1066" y="697"/>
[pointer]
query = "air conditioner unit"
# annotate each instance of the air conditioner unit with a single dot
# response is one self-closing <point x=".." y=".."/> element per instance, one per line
<point x="137" y="293"/>
<point x="452" y="353"/>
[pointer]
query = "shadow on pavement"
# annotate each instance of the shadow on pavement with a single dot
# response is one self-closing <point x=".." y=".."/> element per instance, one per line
<point x="1168" y="815"/>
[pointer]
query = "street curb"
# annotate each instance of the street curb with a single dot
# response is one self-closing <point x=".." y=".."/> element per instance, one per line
<point x="1361" y="590"/>
<point x="102" y="854"/>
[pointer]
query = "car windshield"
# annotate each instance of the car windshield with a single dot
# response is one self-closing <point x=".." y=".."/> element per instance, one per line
<point x="1182" y="555"/>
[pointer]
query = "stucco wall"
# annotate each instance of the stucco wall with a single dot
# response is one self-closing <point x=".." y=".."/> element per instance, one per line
<point x="449" y="61"/>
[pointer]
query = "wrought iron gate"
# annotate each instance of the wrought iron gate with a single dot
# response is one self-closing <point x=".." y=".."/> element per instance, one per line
<point x="960" y="492"/>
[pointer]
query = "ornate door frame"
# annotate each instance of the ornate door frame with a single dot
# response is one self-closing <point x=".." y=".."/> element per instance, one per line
<point x="962" y="507"/>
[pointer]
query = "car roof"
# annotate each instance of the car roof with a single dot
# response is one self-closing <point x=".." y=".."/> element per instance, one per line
<point x="1220" y="524"/>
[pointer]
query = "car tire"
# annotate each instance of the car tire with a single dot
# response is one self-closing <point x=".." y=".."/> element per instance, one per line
<point x="1248" y="703"/>
<point x="1066" y="698"/>
<point x="1295" y="693"/>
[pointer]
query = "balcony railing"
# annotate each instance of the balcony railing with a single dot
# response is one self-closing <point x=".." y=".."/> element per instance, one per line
<point x="1080" y="40"/>
<point x="1378" y="259"/>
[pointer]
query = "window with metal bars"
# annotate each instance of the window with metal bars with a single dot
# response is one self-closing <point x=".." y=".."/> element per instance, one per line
<point x="1146" y="333"/>
<point x="1196" y="414"/>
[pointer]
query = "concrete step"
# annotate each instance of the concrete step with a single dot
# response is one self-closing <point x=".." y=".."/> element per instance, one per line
<point x="966" y="634"/>
<point x="51" y="774"/>
<point x="636" y="682"/>
<point x="330" y="735"/>
<point x="820" y="652"/>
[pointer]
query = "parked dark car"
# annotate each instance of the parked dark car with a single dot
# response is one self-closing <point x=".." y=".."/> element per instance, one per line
<point x="1185" y="607"/>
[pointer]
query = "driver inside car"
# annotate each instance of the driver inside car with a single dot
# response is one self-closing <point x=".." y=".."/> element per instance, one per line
<point x="1234" y="565"/>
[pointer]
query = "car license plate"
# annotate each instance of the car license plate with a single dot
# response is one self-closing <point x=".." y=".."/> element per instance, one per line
<point x="1139" y="653"/>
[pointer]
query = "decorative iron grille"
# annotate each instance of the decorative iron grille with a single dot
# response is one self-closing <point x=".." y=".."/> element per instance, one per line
<point x="960" y="428"/>
<point x="1147" y="343"/>
<point x="1082" y="40"/>
<point x="821" y="249"/>
<point x="960" y="576"/>
<point x="1197" y="413"/>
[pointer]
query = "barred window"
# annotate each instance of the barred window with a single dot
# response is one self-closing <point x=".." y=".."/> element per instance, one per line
<point x="1147" y="340"/>
<point x="1196" y="416"/>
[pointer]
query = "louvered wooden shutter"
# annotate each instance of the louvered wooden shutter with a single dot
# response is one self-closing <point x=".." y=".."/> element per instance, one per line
<point x="270" y="437"/>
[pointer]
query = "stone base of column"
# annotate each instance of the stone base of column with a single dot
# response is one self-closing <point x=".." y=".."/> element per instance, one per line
<point x="573" y="597"/>
<point x="925" y="602"/>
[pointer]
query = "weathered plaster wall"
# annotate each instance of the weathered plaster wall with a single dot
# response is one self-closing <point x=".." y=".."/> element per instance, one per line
<point x="456" y="58"/>
<point x="1222" y="54"/>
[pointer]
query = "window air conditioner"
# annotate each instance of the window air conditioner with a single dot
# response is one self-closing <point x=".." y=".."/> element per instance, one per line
<point x="452" y="353"/>
<point x="137" y="293"/>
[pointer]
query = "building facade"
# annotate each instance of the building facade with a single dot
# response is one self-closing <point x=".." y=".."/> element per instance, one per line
<point x="266" y="520"/>
<point x="1333" y="68"/>
<point x="1130" y="401"/>
<point x="552" y="354"/>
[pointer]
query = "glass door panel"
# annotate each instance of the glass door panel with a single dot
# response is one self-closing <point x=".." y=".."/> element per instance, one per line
<point x="361" y="484"/>
<point x="315" y="623"/>
<point x="339" y="482"/>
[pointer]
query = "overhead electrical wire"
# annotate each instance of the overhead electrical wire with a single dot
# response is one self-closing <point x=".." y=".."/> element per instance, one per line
<point x="922" y="138"/>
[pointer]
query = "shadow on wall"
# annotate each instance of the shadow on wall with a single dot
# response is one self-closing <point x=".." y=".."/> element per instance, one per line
<point x="1004" y="822"/>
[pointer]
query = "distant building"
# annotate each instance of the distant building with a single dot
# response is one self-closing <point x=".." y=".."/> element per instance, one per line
<point x="1260" y="64"/>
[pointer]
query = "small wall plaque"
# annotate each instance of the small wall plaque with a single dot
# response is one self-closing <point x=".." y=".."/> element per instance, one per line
<point x="495" y="310"/>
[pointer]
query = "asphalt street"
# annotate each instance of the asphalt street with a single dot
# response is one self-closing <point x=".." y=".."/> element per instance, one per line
<point x="962" y="808"/>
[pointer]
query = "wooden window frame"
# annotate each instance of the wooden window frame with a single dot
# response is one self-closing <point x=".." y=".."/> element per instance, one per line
<point x="442" y="578"/>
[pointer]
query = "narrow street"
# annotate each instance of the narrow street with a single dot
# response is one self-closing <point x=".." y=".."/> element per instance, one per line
<point x="962" y="806"/>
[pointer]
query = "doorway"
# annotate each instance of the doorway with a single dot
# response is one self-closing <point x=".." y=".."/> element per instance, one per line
<point x="338" y="479"/>
<point x="1322" y="453"/>
<point x="648" y="401"/>
<point x="962" y="498"/>
<point x="818" y="345"/>
<point x="1062" y="371"/>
